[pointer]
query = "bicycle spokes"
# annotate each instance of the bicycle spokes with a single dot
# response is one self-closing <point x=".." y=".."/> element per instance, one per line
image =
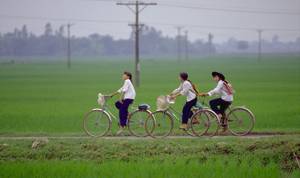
<point x="97" y="123"/>
<point x="137" y="122"/>
<point x="164" y="124"/>
<point x="240" y="121"/>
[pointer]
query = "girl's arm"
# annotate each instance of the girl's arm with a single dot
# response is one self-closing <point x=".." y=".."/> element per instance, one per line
<point x="182" y="90"/>
<point x="215" y="90"/>
<point x="175" y="95"/>
<point x="122" y="90"/>
<point x="176" y="91"/>
<point x="202" y="94"/>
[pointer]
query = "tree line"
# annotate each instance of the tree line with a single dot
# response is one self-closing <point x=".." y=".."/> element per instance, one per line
<point x="53" y="42"/>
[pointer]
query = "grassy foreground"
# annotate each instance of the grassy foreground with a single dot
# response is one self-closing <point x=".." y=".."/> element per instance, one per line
<point x="208" y="158"/>
<point x="182" y="168"/>
<point x="44" y="97"/>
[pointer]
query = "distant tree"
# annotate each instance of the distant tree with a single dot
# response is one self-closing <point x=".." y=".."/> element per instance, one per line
<point x="275" y="39"/>
<point x="48" y="30"/>
<point x="242" y="45"/>
<point x="61" y="31"/>
<point x="24" y="32"/>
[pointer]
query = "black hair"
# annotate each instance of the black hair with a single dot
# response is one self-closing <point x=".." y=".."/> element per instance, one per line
<point x="128" y="74"/>
<point x="220" y="75"/>
<point x="184" y="75"/>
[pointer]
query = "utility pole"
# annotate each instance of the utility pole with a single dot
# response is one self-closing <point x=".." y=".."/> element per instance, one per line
<point x="137" y="27"/>
<point x="259" y="31"/>
<point x="69" y="44"/>
<point x="179" y="28"/>
<point x="210" y="43"/>
<point x="186" y="45"/>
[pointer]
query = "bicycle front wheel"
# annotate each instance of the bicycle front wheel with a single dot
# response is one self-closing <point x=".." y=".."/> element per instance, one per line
<point x="200" y="122"/>
<point x="240" y="121"/>
<point x="97" y="123"/>
<point x="137" y="122"/>
<point x="163" y="124"/>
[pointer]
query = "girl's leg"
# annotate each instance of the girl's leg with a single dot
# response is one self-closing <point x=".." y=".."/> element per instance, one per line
<point x="118" y="105"/>
<point x="214" y="105"/>
<point x="224" y="105"/>
<point x="124" y="111"/>
<point x="186" y="111"/>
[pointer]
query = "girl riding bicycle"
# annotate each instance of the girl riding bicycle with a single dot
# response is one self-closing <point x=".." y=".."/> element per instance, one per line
<point x="186" y="88"/>
<point x="127" y="97"/>
<point x="219" y="105"/>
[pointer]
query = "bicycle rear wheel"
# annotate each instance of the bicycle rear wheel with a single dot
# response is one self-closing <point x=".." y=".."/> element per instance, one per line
<point x="137" y="122"/>
<point x="240" y="121"/>
<point x="163" y="124"/>
<point x="200" y="122"/>
<point x="97" y="123"/>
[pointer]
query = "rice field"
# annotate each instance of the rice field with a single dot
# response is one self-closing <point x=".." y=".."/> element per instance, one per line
<point x="44" y="97"/>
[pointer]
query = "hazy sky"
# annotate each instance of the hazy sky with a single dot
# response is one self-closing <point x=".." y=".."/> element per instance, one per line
<point x="114" y="19"/>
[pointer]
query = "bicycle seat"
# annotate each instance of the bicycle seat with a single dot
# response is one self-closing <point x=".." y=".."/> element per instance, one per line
<point x="144" y="106"/>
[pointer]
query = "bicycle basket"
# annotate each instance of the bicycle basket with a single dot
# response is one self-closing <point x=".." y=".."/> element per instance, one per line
<point x="163" y="102"/>
<point x="101" y="99"/>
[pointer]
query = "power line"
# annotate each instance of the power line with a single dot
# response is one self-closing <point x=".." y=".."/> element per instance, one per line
<point x="230" y="9"/>
<point x="234" y="9"/>
<point x="61" y="19"/>
<point x="149" y="22"/>
<point x="221" y="27"/>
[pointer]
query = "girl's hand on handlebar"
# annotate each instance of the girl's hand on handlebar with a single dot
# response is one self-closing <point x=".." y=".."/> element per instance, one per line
<point x="203" y="94"/>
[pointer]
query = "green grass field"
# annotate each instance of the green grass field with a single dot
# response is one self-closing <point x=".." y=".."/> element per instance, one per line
<point x="45" y="97"/>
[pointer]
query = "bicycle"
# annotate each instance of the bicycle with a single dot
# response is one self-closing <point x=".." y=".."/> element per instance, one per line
<point x="165" y="115"/>
<point x="98" y="121"/>
<point x="239" y="120"/>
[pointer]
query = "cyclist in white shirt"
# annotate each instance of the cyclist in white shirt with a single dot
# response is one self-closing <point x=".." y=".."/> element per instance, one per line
<point x="127" y="97"/>
<point x="224" y="89"/>
<point x="186" y="88"/>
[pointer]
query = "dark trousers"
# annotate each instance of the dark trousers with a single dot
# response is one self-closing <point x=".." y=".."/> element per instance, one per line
<point x="219" y="105"/>
<point x="123" y="110"/>
<point x="186" y="111"/>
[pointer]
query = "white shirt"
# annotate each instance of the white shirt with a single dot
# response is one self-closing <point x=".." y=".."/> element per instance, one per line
<point x="221" y="89"/>
<point x="128" y="90"/>
<point x="186" y="89"/>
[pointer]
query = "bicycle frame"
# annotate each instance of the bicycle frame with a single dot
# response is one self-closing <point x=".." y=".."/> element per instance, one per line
<point x="173" y="112"/>
<point x="107" y="109"/>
